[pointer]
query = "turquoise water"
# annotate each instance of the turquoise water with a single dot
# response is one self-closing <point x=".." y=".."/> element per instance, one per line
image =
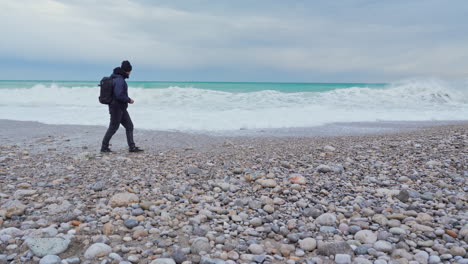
<point x="235" y="87"/>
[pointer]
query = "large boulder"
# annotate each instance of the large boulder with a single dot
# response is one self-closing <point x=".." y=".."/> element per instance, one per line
<point x="47" y="246"/>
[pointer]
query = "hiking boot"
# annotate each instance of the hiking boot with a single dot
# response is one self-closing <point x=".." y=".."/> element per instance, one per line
<point x="135" y="149"/>
<point x="106" y="150"/>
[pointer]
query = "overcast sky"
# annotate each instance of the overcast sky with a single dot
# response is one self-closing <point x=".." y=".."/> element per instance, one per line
<point x="241" y="40"/>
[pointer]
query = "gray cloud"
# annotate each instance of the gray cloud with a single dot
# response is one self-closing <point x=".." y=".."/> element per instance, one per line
<point x="391" y="38"/>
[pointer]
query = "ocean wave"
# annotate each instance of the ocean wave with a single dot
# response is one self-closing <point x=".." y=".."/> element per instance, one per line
<point x="192" y="108"/>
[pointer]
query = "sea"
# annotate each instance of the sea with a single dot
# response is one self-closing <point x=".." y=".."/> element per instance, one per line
<point x="229" y="106"/>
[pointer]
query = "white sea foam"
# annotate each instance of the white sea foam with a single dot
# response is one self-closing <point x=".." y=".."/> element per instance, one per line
<point x="176" y="108"/>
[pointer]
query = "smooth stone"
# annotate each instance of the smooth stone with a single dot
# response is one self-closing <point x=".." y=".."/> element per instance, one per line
<point x="130" y="223"/>
<point x="123" y="199"/>
<point x="163" y="261"/>
<point x="97" y="187"/>
<point x="73" y="260"/>
<point x="361" y="250"/>
<point x="193" y="171"/>
<point x="426" y="243"/>
<point x="380" y="219"/>
<point x="236" y="218"/>
<point x="330" y="249"/>
<point x="434" y="259"/>
<point x="297" y="179"/>
<point x="55" y="209"/>
<point x="327" y="229"/>
<point x="329" y="148"/>
<point x="354" y="229"/>
<point x="133" y="258"/>
<point x="403" y="196"/>
<point x="179" y="256"/>
<point x="268" y="183"/>
<point x="206" y="260"/>
<point x="11" y="231"/>
<point x="233" y="255"/>
<point x="342" y="259"/>
<point x="422" y="257"/>
<point x="383" y="235"/>
<point x="422" y="228"/>
<point x="138" y="212"/>
<point x="327" y="219"/>
<point x="361" y="261"/>
<point x="383" y="246"/>
<point x="259" y="258"/>
<point x="14" y="208"/>
<point x="200" y="244"/>
<point x="397" y="231"/>
<point x="401" y="253"/>
<point x="366" y="237"/>
<point x="256" y="249"/>
<point x="47" y="246"/>
<point x="324" y="168"/>
<point x="269" y="209"/>
<point x="50" y="259"/>
<point x="380" y="261"/>
<point x="256" y="222"/>
<point x="446" y="256"/>
<point x="115" y="256"/>
<point x="97" y="250"/>
<point x="458" y="251"/>
<point x="427" y="196"/>
<point x="308" y="244"/>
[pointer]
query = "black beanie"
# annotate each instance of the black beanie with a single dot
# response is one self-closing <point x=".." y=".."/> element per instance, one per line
<point x="126" y="66"/>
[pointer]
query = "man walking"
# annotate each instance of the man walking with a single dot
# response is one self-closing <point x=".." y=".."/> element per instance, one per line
<point x="118" y="108"/>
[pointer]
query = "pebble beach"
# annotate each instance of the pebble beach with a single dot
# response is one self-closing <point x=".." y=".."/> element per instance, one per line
<point x="398" y="197"/>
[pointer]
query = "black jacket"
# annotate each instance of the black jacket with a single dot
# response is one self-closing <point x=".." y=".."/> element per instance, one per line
<point x="120" y="87"/>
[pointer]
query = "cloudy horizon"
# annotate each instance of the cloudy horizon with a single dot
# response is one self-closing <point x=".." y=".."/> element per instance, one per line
<point x="277" y="41"/>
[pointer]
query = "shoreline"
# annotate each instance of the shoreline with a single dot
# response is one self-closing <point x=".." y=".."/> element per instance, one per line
<point x="75" y="137"/>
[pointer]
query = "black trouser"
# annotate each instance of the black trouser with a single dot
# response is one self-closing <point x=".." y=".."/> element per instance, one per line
<point x="119" y="115"/>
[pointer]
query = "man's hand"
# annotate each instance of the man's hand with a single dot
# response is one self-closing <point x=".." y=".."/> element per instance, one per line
<point x="131" y="101"/>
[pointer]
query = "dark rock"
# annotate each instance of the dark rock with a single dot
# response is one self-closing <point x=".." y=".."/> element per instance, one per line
<point x="131" y="223"/>
<point x="293" y="238"/>
<point x="354" y="229"/>
<point x="178" y="256"/>
<point x="360" y="250"/>
<point x="403" y="196"/>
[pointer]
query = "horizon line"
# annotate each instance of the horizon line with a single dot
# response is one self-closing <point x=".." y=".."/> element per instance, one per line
<point x="197" y="81"/>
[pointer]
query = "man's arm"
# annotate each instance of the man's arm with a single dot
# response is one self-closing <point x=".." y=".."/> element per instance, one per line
<point x="119" y="91"/>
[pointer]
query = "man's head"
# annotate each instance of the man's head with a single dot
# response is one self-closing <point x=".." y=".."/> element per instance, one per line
<point x="126" y="67"/>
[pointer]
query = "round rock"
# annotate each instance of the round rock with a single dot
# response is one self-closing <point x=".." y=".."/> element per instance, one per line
<point x="50" y="259"/>
<point x="131" y="223"/>
<point x="123" y="199"/>
<point x="200" y="244"/>
<point x="308" y="244"/>
<point x="383" y="246"/>
<point x="163" y="261"/>
<point x="326" y="219"/>
<point x="256" y="249"/>
<point x="366" y="236"/>
<point x="97" y="250"/>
